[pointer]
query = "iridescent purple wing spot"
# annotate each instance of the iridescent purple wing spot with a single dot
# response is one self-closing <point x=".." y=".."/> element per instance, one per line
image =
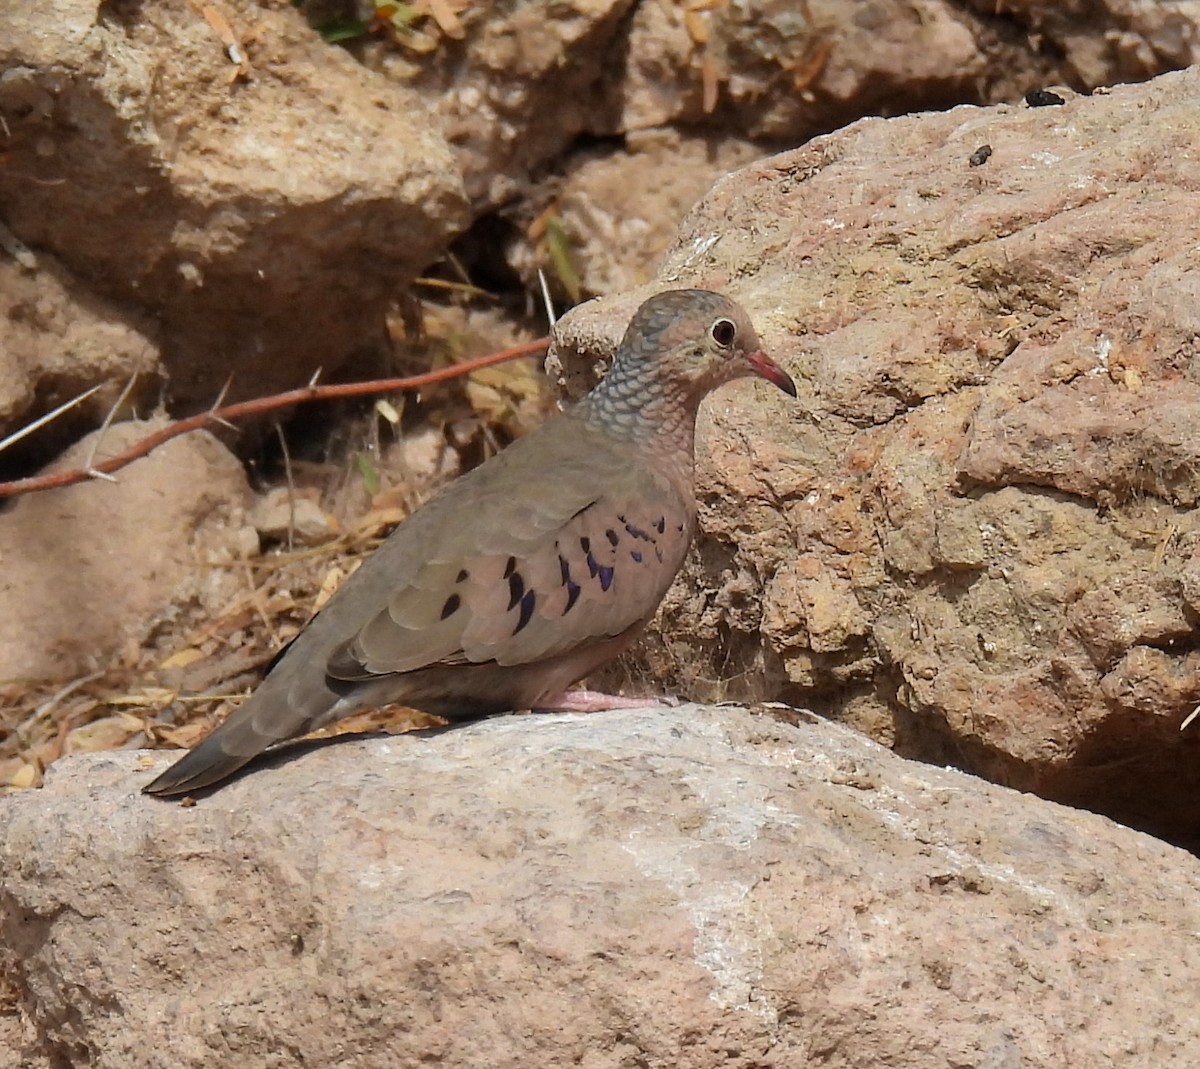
<point x="528" y="601"/>
<point x="573" y="591"/>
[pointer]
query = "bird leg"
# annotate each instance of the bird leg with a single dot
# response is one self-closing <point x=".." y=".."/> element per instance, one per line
<point x="596" y="701"/>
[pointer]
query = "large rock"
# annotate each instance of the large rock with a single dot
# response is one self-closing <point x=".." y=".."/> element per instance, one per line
<point x="265" y="214"/>
<point x="516" y="84"/>
<point x="784" y="70"/>
<point x="620" y="208"/>
<point x="977" y="535"/>
<point x="57" y="340"/>
<point x="85" y="568"/>
<point x="522" y="82"/>
<point x="696" y="887"/>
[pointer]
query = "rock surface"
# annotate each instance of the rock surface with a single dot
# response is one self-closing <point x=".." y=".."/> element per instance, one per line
<point x="57" y="340"/>
<point x="696" y="887"/>
<point x="518" y="86"/>
<point x="977" y="535"/>
<point x="265" y="214"/>
<point x="87" y="567"/>
<point x="617" y="240"/>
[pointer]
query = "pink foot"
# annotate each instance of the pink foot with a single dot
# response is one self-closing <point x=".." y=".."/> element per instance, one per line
<point x="595" y="701"/>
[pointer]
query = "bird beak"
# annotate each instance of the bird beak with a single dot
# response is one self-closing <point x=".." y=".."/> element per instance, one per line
<point x="763" y="366"/>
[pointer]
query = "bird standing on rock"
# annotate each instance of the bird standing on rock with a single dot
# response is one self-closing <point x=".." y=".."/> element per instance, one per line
<point x="527" y="573"/>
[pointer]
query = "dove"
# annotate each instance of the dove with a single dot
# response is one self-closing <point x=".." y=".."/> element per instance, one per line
<point x="527" y="573"/>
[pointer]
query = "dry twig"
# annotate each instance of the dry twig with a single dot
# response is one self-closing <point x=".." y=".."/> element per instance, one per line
<point x="223" y="414"/>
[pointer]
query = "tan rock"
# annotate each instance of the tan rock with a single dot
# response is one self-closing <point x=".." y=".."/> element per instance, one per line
<point x="84" y="568"/>
<point x="57" y="341"/>
<point x="620" y="208"/>
<point x="282" y="515"/>
<point x="1112" y="41"/>
<point x="694" y="887"/>
<point x="994" y="446"/>
<point x="518" y="88"/>
<point x="263" y="199"/>
<point x="782" y="70"/>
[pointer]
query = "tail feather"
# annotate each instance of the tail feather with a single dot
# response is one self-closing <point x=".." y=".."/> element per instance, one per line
<point x="274" y="713"/>
<point x="207" y="764"/>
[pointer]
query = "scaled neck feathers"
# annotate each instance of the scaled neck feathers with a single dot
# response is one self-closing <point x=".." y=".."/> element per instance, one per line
<point x="639" y="406"/>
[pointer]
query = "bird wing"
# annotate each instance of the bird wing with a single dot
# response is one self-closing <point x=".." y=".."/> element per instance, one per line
<point x="524" y="565"/>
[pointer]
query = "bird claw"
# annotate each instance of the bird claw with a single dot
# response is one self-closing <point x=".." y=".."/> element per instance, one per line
<point x="595" y="701"/>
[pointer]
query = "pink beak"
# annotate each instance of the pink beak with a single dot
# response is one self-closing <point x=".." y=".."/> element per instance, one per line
<point x="766" y="368"/>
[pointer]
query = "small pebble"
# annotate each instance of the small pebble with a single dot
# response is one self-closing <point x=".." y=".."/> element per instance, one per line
<point x="1042" y="98"/>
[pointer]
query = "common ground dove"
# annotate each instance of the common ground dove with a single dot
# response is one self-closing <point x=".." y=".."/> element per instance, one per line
<point x="525" y="574"/>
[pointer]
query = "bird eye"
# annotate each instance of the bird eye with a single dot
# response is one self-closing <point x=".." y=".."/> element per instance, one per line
<point x="723" y="331"/>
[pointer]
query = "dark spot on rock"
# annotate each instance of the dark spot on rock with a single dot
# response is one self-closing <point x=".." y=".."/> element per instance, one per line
<point x="980" y="156"/>
<point x="1042" y="98"/>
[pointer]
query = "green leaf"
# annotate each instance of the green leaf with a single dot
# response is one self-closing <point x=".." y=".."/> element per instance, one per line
<point x="558" y="245"/>
<point x="342" y="30"/>
<point x="368" y="473"/>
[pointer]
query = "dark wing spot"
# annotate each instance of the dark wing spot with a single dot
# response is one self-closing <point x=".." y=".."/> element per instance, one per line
<point x="593" y="567"/>
<point x="612" y="537"/>
<point x="509" y="568"/>
<point x="658" y="554"/>
<point x="451" y="606"/>
<point x="636" y="554"/>
<point x="637" y="532"/>
<point x="516" y="588"/>
<point x="606" y="577"/>
<point x="573" y="590"/>
<point x="566" y="569"/>
<point x="463" y="574"/>
<point x="661" y="525"/>
<point x="527" y="603"/>
<point x="585" y="544"/>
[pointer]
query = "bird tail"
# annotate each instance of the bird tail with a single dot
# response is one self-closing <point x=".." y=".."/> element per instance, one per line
<point x="203" y="766"/>
<point x="282" y="708"/>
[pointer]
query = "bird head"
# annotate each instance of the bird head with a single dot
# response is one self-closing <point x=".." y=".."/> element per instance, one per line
<point x="699" y="340"/>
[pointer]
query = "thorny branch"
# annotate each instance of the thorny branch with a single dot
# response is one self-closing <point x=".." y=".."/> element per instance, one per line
<point x="223" y="414"/>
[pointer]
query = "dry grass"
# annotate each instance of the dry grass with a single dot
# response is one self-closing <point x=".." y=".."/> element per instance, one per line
<point x="172" y="688"/>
